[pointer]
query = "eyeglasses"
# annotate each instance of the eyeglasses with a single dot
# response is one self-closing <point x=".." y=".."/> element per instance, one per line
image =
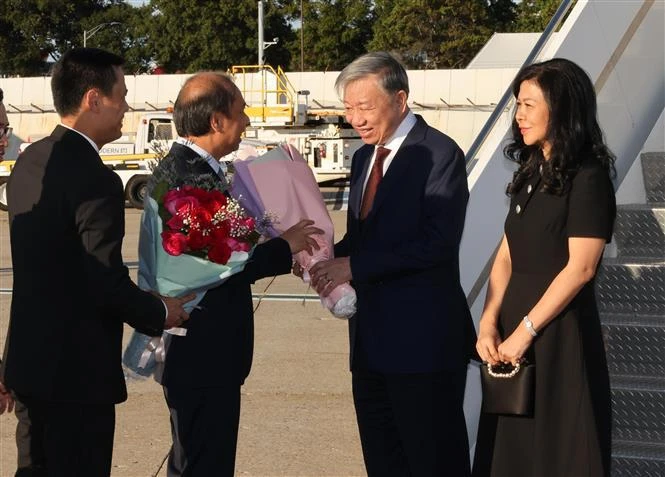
<point x="6" y="131"/>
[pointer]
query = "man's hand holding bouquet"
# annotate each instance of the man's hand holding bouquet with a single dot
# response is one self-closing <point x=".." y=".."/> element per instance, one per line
<point x="193" y="237"/>
<point x="280" y="184"/>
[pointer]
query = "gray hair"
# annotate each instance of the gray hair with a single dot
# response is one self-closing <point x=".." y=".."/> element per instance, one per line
<point x="392" y="74"/>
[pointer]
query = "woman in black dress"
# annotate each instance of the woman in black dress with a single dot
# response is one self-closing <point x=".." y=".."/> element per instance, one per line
<point x="540" y="301"/>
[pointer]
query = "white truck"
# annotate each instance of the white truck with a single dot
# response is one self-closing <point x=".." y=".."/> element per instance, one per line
<point x="277" y="115"/>
<point x="132" y="156"/>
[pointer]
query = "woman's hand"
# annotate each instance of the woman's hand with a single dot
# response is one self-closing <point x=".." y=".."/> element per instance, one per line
<point x="488" y="342"/>
<point x="512" y="350"/>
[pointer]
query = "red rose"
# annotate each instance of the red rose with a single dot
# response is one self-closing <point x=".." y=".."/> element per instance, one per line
<point x="219" y="253"/>
<point x="200" y="218"/>
<point x="196" y="240"/>
<point x="176" y="222"/>
<point x="221" y="232"/>
<point x="181" y="204"/>
<point x="173" y="194"/>
<point x="215" y="201"/>
<point x="174" y="243"/>
<point x="200" y="194"/>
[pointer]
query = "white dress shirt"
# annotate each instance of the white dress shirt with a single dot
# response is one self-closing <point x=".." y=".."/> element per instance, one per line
<point x="393" y="143"/>
<point x="217" y="166"/>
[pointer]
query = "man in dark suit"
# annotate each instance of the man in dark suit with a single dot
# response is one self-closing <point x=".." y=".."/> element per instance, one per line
<point x="71" y="291"/>
<point x="412" y="332"/>
<point x="204" y="370"/>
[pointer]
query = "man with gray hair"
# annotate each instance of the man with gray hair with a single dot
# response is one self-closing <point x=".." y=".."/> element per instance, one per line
<point x="412" y="334"/>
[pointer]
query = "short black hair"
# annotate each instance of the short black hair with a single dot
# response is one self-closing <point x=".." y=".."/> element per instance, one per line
<point x="192" y="113"/>
<point x="2" y="95"/>
<point x="78" y="71"/>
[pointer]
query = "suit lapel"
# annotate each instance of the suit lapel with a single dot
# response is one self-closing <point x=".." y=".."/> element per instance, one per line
<point x="357" y="188"/>
<point x="398" y="166"/>
<point x="190" y="160"/>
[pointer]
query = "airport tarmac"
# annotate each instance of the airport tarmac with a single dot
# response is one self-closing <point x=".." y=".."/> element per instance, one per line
<point x="297" y="410"/>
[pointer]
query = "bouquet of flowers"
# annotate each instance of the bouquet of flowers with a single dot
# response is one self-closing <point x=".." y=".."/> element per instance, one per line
<point x="193" y="237"/>
<point x="282" y="179"/>
<point x="205" y="224"/>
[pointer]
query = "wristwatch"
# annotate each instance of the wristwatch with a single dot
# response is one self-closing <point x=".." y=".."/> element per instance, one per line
<point x="529" y="326"/>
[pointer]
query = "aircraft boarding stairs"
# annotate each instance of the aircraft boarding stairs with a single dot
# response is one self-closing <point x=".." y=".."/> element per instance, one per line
<point x="621" y="44"/>
<point x="631" y="297"/>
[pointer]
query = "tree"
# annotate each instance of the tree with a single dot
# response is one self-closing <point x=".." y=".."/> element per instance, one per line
<point x="534" y="15"/>
<point x="431" y="34"/>
<point x="33" y="31"/>
<point x="335" y="33"/>
<point x="194" y="35"/>
<point x="501" y="15"/>
<point x="126" y="37"/>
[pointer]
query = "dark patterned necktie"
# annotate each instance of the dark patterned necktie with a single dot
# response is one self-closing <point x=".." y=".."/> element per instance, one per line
<point x="373" y="182"/>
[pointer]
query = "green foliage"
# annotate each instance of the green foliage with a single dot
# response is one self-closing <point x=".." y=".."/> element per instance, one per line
<point x="125" y="37"/>
<point x="335" y="32"/>
<point x="502" y="15"/>
<point x="534" y="15"/>
<point x="33" y="31"/>
<point x="194" y="35"/>
<point x="431" y="33"/>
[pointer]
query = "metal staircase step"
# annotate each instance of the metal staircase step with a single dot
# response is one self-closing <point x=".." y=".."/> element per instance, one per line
<point x="637" y="287"/>
<point x="639" y="231"/>
<point x="632" y="459"/>
<point x="631" y="298"/>
<point x="635" y="349"/>
<point x="653" y="170"/>
<point x="644" y="450"/>
<point x="638" y="415"/>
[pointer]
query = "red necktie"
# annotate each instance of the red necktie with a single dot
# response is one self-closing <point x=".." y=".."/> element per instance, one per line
<point x="373" y="182"/>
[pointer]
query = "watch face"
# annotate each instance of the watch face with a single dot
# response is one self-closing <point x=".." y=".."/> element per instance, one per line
<point x="529" y="326"/>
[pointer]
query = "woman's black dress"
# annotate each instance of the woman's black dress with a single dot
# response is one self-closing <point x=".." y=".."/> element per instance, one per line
<point x="569" y="434"/>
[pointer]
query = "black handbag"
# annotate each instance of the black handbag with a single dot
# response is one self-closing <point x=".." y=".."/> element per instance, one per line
<point x="508" y="389"/>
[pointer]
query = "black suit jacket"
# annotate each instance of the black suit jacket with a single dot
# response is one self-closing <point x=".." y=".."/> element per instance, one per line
<point x="218" y="347"/>
<point x="71" y="291"/>
<point x="412" y="312"/>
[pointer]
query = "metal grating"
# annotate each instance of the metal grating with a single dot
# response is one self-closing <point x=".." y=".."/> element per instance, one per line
<point x="631" y="288"/>
<point x="639" y="231"/>
<point x="633" y="467"/>
<point x="635" y="350"/>
<point x="631" y="298"/>
<point x="641" y="412"/>
<point x="653" y="170"/>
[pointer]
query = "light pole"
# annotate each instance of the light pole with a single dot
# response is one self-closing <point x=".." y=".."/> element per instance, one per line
<point x="88" y="33"/>
<point x="302" y="39"/>
<point x="263" y="45"/>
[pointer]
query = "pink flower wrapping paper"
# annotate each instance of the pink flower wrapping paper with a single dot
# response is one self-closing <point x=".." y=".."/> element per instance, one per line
<point x="281" y="184"/>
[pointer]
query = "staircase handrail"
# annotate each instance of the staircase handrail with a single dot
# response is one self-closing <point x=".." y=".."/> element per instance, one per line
<point x="507" y="97"/>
